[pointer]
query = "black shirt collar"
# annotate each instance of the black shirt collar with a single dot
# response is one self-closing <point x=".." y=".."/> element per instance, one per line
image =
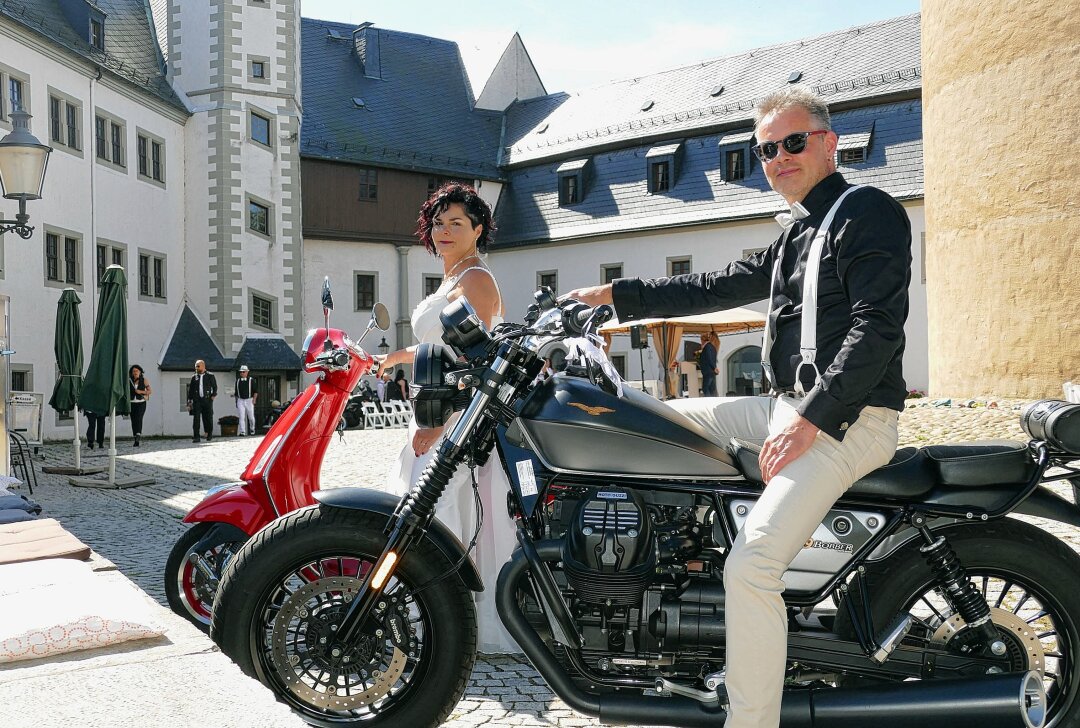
<point x="818" y="201"/>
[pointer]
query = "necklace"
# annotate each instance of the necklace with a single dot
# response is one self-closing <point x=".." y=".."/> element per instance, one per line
<point x="455" y="266"/>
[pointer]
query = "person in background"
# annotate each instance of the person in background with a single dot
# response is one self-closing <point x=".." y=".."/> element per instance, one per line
<point x="398" y="390"/>
<point x="387" y="380"/>
<point x="380" y="389"/>
<point x="246" y="395"/>
<point x="139" y="391"/>
<point x="707" y="365"/>
<point x="95" y="429"/>
<point x="202" y="389"/>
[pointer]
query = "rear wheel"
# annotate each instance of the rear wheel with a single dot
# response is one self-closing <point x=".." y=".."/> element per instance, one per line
<point x="1027" y="577"/>
<point x="281" y="601"/>
<point x="190" y="585"/>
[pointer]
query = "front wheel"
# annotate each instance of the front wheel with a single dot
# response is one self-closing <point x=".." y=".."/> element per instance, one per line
<point x="281" y="601"/>
<point x="1027" y="577"/>
<point x="191" y="577"/>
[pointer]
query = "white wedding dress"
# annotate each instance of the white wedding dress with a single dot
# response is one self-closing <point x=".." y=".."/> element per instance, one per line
<point x="456" y="507"/>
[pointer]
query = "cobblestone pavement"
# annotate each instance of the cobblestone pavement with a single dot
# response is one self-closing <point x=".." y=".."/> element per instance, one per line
<point x="136" y="528"/>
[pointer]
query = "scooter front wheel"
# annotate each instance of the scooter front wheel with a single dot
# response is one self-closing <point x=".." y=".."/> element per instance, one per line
<point x="190" y="584"/>
<point x="281" y="601"/>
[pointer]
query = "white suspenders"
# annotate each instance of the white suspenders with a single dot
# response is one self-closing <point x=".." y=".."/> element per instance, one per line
<point x="808" y="338"/>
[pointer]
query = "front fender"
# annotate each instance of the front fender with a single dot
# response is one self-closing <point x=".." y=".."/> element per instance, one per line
<point x="234" y="505"/>
<point x="376" y="501"/>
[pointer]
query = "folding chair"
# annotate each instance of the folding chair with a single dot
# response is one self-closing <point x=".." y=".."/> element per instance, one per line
<point x="373" y="418"/>
<point x="397" y="417"/>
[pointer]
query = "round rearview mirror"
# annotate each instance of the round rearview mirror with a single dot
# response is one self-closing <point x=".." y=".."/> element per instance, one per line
<point x="381" y="316"/>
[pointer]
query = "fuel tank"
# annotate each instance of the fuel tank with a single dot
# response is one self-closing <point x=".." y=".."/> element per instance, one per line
<point x="575" y="426"/>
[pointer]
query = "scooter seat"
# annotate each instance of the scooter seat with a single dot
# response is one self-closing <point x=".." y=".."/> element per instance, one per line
<point x="913" y="473"/>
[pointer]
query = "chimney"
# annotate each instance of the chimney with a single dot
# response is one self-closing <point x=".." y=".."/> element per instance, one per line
<point x="366" y="43"/>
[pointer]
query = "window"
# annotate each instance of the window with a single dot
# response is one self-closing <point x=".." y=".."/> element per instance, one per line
<point x="365" y="291"/>
<point x="568" y="190"/>
<point x="852" y="156"/>
<point x="573" y="177"/>
<point x="63" y="258"/>
<point x="107" y="254"/>
<point x="151" y="153"/>
<point x="258" y="217"/>
<point x="22" y="378"/>
<point x="678" y="266"/>
<point x="15" y="94"/>
<point x="548" y="278"/>
<point x="659" y="177"/>
<point x="258" y="69"/>
<point x="97" y="34"/>
<point x="369" y="184"/>
<point x="110" y="143"/>
<point x="71" y="123"/>
<point x="14" y="91"/>
<point x="55" y="122"/>
<point x="619" y="362"/>
<point x="431" y="284"/>
<point x="734" y="165"/>
<point x="608" y="273"/>
<point x="662" y="167"/>
<point x="152" y="278"/>
<point x="260" y="129"/>
<point x="262" y="311"/>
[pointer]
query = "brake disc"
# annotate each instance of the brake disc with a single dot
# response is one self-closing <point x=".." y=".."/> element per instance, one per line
<point x="1023" y="636"/>
<point x="301" y="654"/>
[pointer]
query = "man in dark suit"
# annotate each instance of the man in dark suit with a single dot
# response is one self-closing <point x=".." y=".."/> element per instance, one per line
<point x="707" y="365"/>
<point x="201" y="391"/>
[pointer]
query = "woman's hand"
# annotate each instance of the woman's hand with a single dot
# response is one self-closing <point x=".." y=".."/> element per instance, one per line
<point x="425" y="438"/>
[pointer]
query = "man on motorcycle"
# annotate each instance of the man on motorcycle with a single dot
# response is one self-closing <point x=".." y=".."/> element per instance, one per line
<point x="837" y="385"/>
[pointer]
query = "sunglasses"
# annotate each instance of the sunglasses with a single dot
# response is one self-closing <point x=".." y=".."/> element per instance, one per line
<point x="792" y="143"/>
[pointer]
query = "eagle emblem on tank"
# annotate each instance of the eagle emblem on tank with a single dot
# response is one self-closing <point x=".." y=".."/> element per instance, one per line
<point x="589" y="410"/>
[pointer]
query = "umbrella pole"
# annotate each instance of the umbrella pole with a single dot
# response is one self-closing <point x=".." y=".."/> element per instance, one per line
<point x="112" y="446"/>
<point x="78" y="448"/>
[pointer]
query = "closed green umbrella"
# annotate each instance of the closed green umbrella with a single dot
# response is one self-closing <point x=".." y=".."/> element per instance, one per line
<point x="67" y="345"/>
<point x="105" y="388"/>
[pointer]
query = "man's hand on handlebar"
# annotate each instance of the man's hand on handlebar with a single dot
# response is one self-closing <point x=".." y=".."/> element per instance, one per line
<point x="591" y="295"/>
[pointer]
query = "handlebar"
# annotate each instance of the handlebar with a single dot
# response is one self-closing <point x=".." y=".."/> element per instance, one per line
<point x="577" y="317"/>
<point x="338" y="358"/>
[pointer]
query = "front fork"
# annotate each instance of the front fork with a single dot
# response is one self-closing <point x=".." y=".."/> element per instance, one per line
<point x="417" y="509"/>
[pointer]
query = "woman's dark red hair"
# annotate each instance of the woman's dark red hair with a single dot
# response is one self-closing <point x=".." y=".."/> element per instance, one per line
<point x="475" y="207"/>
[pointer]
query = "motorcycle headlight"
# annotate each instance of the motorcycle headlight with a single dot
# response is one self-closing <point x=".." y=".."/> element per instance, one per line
<point x="463" y="329"/>
<point x="432" y="395"/>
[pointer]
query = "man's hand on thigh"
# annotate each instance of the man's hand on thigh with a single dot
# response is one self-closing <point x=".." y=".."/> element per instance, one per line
<point x="786" y="446"/>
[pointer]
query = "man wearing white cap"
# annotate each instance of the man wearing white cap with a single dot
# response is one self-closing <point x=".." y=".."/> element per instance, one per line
<point x="245" y="401"/>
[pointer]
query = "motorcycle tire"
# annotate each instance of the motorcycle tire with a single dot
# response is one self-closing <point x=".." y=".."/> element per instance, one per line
<point x="1029" y="580"/>
<point x="300" y="570"/>
<point x="186" y="590"/>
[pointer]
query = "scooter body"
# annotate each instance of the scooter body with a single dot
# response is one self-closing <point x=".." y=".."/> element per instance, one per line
<point x="281" y="476"/>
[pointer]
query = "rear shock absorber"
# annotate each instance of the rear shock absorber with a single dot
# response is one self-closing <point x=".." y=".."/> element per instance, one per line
<point x="959" y="590"/>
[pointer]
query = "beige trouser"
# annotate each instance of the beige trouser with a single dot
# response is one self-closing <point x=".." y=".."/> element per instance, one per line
<point x="789" y="510"/>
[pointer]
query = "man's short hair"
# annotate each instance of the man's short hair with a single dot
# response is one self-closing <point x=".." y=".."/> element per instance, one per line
<point x="797" y="96"/>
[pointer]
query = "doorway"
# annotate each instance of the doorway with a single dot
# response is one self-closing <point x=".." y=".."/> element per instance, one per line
<point x="268" y="385"/>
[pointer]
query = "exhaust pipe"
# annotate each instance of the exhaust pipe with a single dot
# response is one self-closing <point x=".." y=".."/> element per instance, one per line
<point x="1016" y="700"/>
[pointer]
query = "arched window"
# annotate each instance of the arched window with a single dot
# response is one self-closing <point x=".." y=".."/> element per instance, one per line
<point x="744" y="372"/>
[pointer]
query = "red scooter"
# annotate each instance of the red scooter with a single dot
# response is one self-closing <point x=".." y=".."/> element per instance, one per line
<point x="282" y="474"/>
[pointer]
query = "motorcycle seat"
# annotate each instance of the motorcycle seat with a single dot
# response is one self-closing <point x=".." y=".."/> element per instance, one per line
<point x="913" y="473"/>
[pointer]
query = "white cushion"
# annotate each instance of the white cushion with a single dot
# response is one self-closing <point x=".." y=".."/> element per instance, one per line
<point x="54" y="606"/>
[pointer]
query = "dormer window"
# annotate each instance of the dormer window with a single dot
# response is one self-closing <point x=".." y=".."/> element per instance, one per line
<point x="735" y="155"/>
<point x="853" y="147"/>
<point x="663" y="169"/>
<point x="573" y="176"/>
<point x="97" y="33"/>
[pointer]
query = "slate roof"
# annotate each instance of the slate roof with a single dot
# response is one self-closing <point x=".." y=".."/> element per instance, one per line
<point x="617" y="199"/>
<point x="131" y="50"/>
<point x="191" y="341"/>
<point x="418" y="116"/>
<point x="856" y="64"/>
<point x="267" y="351"/>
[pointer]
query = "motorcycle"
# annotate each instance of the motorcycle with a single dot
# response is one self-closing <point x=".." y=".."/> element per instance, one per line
<point x="916" y="602"/>
<point x="280" y="477"/>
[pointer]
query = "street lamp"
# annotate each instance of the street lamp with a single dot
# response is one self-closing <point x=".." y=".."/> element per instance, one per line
<point x="22" y="171"/>
<point x="383" y="347"/>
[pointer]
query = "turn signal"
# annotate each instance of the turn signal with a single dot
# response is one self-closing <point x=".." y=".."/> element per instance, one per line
<point x="384" y="570"/>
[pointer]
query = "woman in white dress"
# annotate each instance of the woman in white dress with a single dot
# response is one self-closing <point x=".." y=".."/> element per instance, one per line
<point x="456" y="225"/>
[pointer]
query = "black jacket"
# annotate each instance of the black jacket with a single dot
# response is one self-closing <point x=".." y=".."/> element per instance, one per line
<point x="209" y="387"/>
<point x="862" y="302"/>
